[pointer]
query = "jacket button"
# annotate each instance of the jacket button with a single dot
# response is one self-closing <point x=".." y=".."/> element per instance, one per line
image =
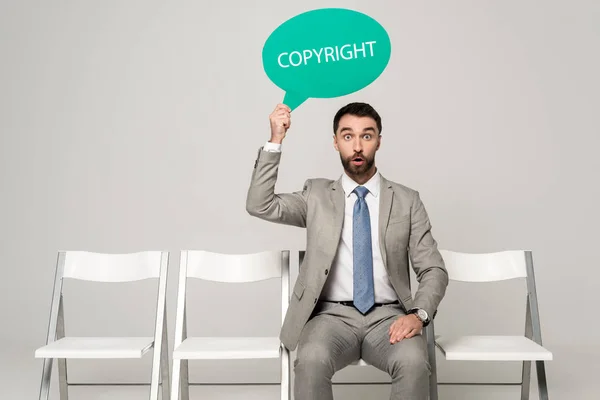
<point x="326" y="271"/>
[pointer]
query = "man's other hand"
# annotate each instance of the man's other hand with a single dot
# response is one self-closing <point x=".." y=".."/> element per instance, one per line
<point x="405" y="327"/>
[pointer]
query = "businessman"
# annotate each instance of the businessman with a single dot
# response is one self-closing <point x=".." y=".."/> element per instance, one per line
<point x="352" y="298"/>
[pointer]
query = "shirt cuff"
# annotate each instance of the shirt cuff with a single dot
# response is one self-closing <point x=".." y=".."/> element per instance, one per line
<point x="272" y="147"/>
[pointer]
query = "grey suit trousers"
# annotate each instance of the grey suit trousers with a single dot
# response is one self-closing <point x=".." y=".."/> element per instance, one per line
<point x="337" y="335"/>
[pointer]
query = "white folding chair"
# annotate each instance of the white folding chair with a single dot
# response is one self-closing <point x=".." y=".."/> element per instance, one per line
<point x="430" y="335"/>
<point x="493" y="267"/>
<point x="228" y="268"/>
<point x="101" y="267"/>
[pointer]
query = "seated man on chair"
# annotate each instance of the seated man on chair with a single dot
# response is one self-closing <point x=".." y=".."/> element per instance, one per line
<point x="352" y="298"/>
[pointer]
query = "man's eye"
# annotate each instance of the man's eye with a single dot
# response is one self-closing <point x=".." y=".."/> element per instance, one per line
<point x="368" y="137"/>
<point x="347" y="137"/>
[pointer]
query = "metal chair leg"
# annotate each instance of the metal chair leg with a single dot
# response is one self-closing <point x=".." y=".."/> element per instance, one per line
<point x="185" y="376"/>
<point x="53" y="325"/>
<point x="155" y="377"/>
<point x="45" y="382"/>
<point x="541" y="375"/>
<point x="164" y="365"/>
<point x="285" y="373"/>
<point x="160" y="368"/>
<point x="430" y="336"/>
<point x="62" y="362"/>
<point x="176" y="380"/>
<point x="534" y="320"/>
<point x="63" y="386"/>
<point x="526" y="373"/>
<point x="525" y="380"/>
<point x="185" y="381"/>
<point x="180" y="379"/>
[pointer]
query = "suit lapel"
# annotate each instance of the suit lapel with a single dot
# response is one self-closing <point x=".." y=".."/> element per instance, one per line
<point x="385" y="207"/>
<point x="338" y="201"/>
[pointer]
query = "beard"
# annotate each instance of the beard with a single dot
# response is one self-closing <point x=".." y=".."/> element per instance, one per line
<point x="357" y="170"/>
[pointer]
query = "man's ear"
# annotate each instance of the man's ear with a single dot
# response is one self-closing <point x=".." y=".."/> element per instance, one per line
<point x="378" y="142"/>
<point x="335" y="144"/>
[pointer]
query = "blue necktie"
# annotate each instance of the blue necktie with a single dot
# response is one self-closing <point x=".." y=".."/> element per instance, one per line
<point x="364" y="291"/>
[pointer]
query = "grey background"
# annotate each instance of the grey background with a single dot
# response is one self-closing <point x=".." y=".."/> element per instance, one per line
<point x="129" y="126"/>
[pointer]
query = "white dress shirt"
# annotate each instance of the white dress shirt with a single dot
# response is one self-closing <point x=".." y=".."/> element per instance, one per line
<point x="339" y="284"/>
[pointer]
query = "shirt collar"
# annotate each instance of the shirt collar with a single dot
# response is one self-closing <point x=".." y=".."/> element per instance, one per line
<point x="373" y="184"/>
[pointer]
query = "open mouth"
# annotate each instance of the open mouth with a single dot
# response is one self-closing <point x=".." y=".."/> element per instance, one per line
<point x="358" y="161"/>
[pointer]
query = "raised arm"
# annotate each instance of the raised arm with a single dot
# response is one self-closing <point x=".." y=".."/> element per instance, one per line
<point x="262" y="201"/>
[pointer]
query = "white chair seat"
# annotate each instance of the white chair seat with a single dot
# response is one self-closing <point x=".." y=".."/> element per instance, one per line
<point x="227" y="348"/>
<point x="96" y="347"/>
<point x="492" y="348"/>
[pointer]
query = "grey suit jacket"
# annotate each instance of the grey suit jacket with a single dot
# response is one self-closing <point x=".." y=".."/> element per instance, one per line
<point x="404" y="231"/>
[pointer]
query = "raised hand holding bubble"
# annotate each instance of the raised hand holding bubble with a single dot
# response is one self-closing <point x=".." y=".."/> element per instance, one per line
<point x="281" y="121"/>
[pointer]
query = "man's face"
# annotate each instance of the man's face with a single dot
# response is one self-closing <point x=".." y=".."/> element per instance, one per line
<point x="357" y="139"/>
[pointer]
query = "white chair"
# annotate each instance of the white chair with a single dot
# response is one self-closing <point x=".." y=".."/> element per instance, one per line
<point x="430" y="335"/>
<point x="101" y="267"/>
<point x="228" y="268"/>
<point x="497" y="267"/>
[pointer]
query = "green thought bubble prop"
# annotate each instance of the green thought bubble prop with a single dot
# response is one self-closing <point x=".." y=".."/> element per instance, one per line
<point x="325" y="53"/>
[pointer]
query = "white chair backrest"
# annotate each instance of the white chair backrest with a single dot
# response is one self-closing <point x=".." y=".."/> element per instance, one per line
<point x="102" y="267"/>
<point x="233" y="268"/>
<point x="487" y="267"/>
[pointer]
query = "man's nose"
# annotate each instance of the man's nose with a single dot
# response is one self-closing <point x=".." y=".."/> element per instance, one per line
<point x="357" y="145"/>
